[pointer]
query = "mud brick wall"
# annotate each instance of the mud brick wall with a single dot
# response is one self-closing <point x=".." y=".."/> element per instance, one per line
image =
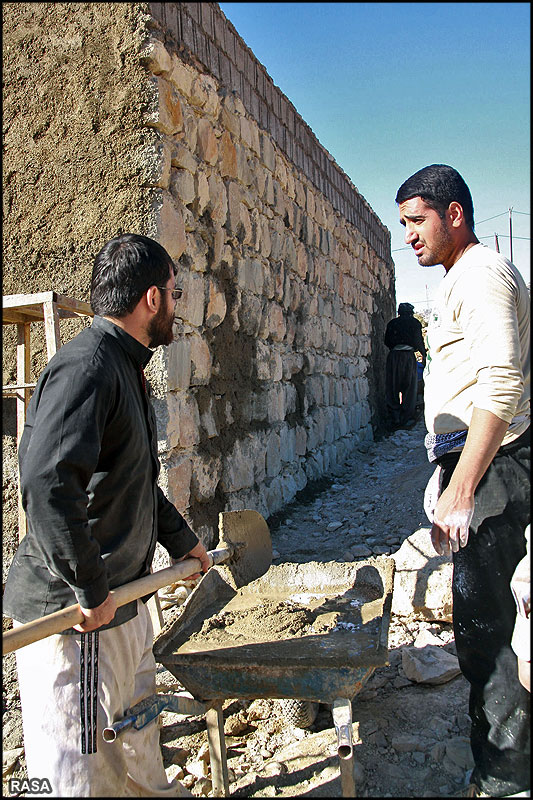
<point x="157" y="118"/>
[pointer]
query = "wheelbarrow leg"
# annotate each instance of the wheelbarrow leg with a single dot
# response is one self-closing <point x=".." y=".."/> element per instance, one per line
<point x="342" y="719"/>
<point x="217" y="749"/>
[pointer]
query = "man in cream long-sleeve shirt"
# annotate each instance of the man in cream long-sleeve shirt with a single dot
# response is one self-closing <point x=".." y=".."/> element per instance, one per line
<point x="480" y="355"/>
<point x="477" y="391"/>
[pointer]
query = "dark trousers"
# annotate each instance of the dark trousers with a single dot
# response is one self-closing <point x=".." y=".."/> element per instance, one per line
<point x="401" y="376"/>
<point x="484" y="614"/>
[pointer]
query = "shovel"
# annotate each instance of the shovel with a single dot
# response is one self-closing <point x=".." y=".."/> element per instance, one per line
<point x="244" y="543"/>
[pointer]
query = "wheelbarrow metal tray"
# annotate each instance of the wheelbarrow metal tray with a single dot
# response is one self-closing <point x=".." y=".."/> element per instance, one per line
<point x="244" y="643"/>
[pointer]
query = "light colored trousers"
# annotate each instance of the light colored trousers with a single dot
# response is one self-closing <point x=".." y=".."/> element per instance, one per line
<point x="71" y="688"/>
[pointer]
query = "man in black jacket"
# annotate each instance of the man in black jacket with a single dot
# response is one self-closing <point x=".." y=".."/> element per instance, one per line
<point x="89" y="467"/>
<point x="403" y="337"/>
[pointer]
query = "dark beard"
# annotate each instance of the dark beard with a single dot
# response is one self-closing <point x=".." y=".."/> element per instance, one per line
<point x="160" y="329"/>
<point x="441" y="246"/>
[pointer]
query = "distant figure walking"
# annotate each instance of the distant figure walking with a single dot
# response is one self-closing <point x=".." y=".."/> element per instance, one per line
<point x="403" y="337"/>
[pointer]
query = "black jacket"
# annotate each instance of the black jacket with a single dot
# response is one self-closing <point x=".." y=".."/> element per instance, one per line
<point x="405" y="330"/>
<point x="89" y="466"/>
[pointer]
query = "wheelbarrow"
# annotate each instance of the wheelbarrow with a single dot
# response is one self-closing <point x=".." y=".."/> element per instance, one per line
<point x="311" y="632"/>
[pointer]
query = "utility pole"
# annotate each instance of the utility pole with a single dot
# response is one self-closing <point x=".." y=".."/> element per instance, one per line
<point x="511" y="231"/>
<point x="497" y="243"/>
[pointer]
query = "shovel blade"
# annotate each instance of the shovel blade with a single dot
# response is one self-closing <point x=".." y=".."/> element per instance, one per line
<point x="245" y="533"/>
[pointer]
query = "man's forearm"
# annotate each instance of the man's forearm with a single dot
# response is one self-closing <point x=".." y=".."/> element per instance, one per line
<point x="455" y="507"/>
<point x="485" y="436"/>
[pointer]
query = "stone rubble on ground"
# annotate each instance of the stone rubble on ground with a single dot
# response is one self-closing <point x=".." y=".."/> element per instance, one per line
<point x="10" y="758"/>
<point x="410" y="733"/>
<point x="422" y="581"/>
<point x="429" y="664"/>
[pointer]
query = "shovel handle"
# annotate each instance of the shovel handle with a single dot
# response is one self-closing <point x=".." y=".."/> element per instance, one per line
<point x="61" y="620"/>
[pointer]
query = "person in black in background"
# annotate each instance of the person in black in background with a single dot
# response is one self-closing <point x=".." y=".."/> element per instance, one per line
<point x="403" y="337"/>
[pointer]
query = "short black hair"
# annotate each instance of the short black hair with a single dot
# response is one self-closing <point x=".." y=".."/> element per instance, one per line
<point x="124" y="269"/>
<point x="439" y="185"/>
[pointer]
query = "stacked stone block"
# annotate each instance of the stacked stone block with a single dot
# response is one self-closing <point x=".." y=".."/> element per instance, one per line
<point x="267" y="385"/>
<point x="157" y="118"/>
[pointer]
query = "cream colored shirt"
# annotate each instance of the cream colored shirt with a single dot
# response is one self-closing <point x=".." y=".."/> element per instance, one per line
<point x="478" y="345"/>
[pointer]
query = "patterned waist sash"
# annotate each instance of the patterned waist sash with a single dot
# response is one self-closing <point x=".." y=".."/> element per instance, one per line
<point x="437" y="444"/>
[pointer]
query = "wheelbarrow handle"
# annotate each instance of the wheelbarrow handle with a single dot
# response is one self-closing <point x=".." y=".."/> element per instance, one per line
<point x="61" y="620"/>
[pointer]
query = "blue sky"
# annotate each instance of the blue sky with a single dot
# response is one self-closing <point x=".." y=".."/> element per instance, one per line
<point x="388" y="88"/>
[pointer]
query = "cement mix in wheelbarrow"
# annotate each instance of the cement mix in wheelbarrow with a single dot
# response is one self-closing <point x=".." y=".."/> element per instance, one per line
<point x="290" y="602"/>
<point x="305" y="631"/>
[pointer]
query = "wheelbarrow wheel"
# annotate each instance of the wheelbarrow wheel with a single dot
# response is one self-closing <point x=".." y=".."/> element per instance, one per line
<point x="302" y="713"/>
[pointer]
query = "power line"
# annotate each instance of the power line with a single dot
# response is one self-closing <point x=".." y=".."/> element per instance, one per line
<point x="504" y="213"/>
<point x="504" y="236"/>
<point x="494" y="217"/>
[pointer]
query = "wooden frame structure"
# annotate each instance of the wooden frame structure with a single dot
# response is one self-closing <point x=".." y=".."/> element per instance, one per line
<point x="21" y="310"/>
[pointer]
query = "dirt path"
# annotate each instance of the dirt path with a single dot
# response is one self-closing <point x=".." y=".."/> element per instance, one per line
<point x="411" y="739"/>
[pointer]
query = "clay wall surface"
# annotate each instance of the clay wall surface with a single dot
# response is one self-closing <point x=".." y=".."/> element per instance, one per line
<point x="77" y="160"/>
<point x="156" y="118"/>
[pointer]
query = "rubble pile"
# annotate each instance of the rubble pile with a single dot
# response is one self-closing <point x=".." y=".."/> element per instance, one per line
<point x="410" y="719"/>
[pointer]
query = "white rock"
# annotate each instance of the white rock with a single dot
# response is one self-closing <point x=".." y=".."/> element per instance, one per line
<point x="458" y="750"/>
<point x="273" y="769"/>
<point x="197" y="768"/>
<point x="259" y="709"/>
<point x="429" y="664"/>
<point x="422" y="580"/>
<point x="174" y="771"/>
<point x="203" y="753"/>
<point x="9" y="759"/>
<point x="426" y="637"/>
<point x="235" y="725"/>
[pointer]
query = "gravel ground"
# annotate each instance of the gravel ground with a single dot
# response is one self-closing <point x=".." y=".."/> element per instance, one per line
<point x="410" y="740"/>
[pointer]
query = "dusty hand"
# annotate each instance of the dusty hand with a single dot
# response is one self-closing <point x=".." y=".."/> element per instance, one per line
<point x="198" y="551"/>
<point x="432" y="493"/>
<point x="451" y="522"/>
<point x="95" y="617"/>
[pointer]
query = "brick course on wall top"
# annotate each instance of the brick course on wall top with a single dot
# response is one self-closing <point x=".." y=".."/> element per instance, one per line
<point x="277" y="370"/>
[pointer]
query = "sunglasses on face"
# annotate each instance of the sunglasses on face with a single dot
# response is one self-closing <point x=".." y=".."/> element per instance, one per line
<point x="176" y="293"/>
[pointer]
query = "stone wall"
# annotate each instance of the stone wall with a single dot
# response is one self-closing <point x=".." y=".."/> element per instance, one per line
<point x="160" y="120"/>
